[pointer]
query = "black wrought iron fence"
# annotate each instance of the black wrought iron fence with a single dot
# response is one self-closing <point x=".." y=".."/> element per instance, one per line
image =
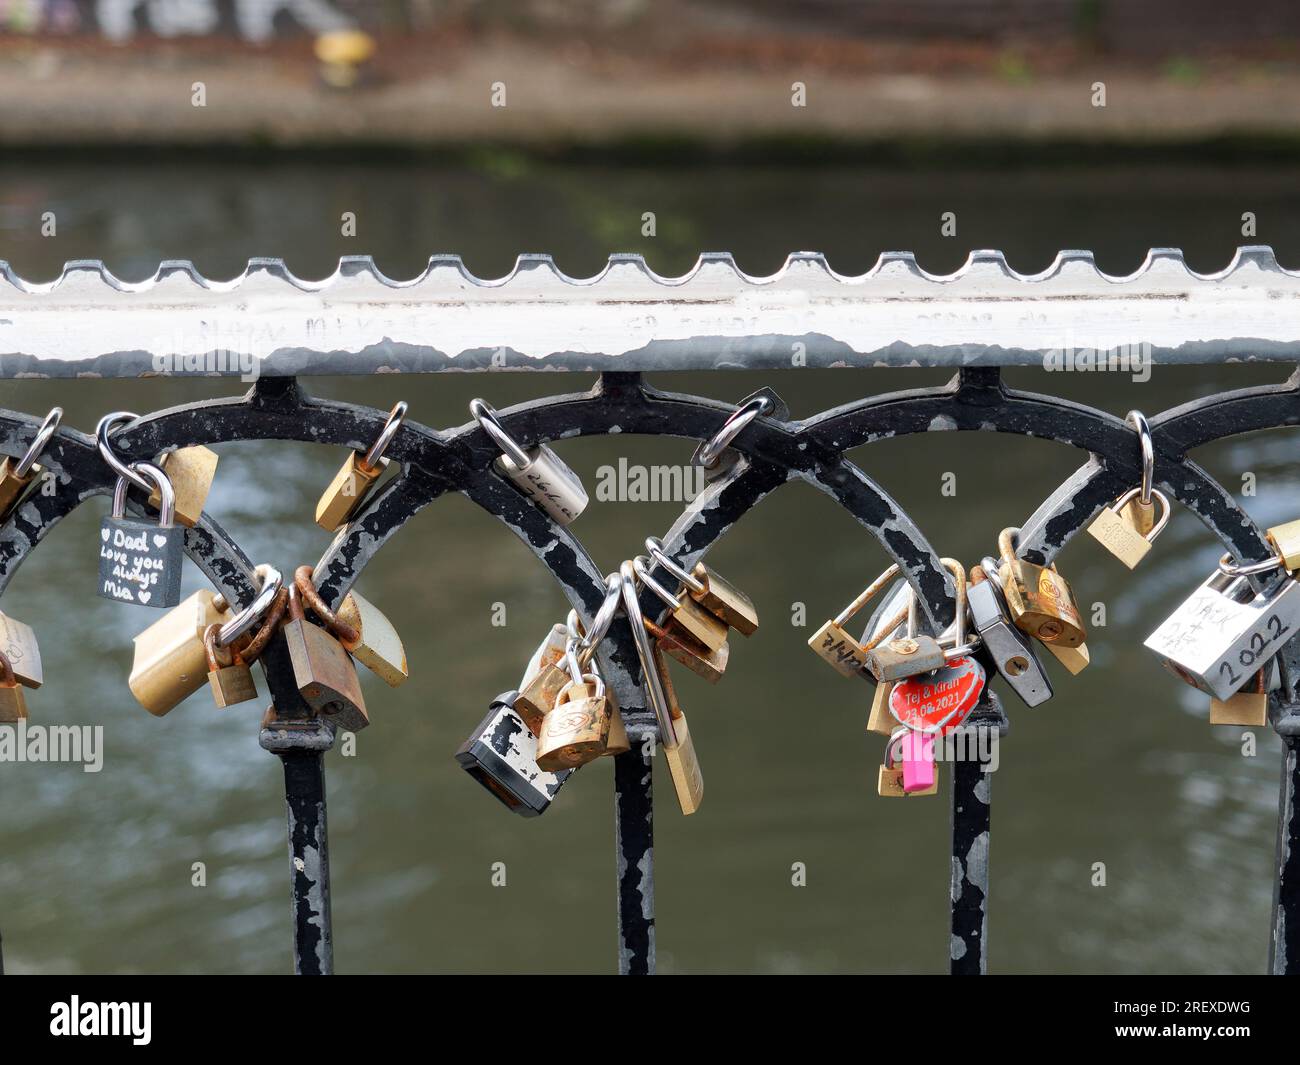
<point x="622" y="325"/>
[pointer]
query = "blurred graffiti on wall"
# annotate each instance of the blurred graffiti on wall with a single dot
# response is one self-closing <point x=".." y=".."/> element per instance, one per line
<point x="121" y="20"/>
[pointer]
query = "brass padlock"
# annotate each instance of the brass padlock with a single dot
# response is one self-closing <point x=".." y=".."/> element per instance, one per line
<point x="1119" y="536"/>
<point x="576" y="731"/>
<point x="686" y="619"/>
<point x="17" y="476"/>
<point x="18" y="644"/>
<point x="890" y="782"/>
<point x="832" y="641"/>
<point x="1248" y="709"/>
<point x="13" y="704"/>
<point x="881" y="720"/>
<point x="231" y="683"/>
<point x="170" y="663"/>
<point x="360" y="627"/>
<point x="618" y="742"/>
<point x="543" y="680"/>
<point x="358" y="474"/>
<point x="1139" y="512"/>
<point x="191" y="471"/>
<point x="710" y="665"/>
<point x="1039" y="599"/>
<point x="719" y="597"/>
<point x="1075" y="659"/>
<point x="1286" y="542"/>
<point x="323" y="670"/>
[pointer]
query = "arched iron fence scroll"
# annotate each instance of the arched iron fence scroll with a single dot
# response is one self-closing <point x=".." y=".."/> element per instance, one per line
<point x="714" y="317"/>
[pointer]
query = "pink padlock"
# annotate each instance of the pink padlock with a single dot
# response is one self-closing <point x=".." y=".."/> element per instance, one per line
<point x="916" y="750"/>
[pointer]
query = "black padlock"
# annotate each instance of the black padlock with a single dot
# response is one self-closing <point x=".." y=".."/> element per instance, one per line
<point x="139" y="560"/>
<point x="501" y="754"/>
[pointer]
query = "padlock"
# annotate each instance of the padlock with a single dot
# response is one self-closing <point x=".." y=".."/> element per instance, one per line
<point x="880" y="719"/>
<point x="538" y="472"/>
<point x="18" y="644"/>
<point x="1119" y="537"/>
<point x="1075" y="659"/>
<point x="323" y="670"/>
<point x="576" y="731"/>
<point x="1286" y="542"/>
<point x="1039" y="599"/>
<point x="140" y="562"/>
<point x="1139" y="513"/>
<point x="501" y="754"/>
<point x="231" y="683"/>
<point x="832" y="641"/>
<point x="894" y="781"/>
<point x="543" y="680"/>
<point x="378" y="647"/>
<point x="17" y="476"/>
<point x="686" y="619"/>
<point x="357" y="476"/>
<point x="1219" y="637"/>
<point x="13" y="704"/>
<point x="1011" y="651"/>
<point x="618" y="742"/>
<point x="170" y="663"/>
<point x="709" y="665"/>
<point x="719" y="597"/>
<point x="906" y="655"/>
<point x="913" y="654"/>
<point x="674" y="735"/>
<point x="191" y="471"/>
<point x="1248" y="709"/>
<point x="360" y="627"/>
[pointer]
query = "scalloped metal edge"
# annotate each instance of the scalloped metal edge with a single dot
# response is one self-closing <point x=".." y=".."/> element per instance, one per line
<point x="88" y="322"/>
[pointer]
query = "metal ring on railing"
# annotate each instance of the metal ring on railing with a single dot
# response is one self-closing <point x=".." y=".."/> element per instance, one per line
<point x="395" y="418"/>
<point x="490" y="422"/>
<point x="588" y="642"/>
<point x="249" y="615"/>
<point x="1138" y="421"/>
<point x="709" y="454"/>
<point x="656" y="548"/>
<point x="47" y="430"/>
<point x="1246" y="569"/>
<point x="109" y="456"/>
<point x="645" y="655"/>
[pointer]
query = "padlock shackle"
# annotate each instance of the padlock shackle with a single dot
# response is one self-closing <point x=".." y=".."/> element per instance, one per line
<point x="656" y="548"/>
<point x="251" y="614"/>
<point x="588" y="642"/>
<point x="161" y="482"/>
<point x="645" y="655"/>
<point x="642" y="572"/>
<point x="867" y="594"/>
<point x="1146" y="454"/>
<point x="1158" y="496"/>
<point x="107" y="453"/>
<point x="43" y="435"/>
<point x="958" y="572"/>
<point x="376" y="452"/>
<point x="211" y="635"/>
<point x="490" y="423"/>
<point x="708" y="455"/>
<point x="346" y="634"/>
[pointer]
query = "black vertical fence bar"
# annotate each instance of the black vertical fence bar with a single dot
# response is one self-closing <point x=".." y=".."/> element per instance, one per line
<point x="300" y="740"/>
<point x="972" y="809"/>
<point x="1284" y="942"/>
<point x="634" y="844"/>
<point x="304" y="792"/>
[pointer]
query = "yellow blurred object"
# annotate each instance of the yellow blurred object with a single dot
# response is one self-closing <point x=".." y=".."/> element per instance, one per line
<point x="351" y="47"/>
<point x="341" y="53"/>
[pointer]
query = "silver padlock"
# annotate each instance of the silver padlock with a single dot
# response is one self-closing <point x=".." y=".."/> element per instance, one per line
<point x="1224" y="633"/>
<point x="1011" y="650"/>
<point x="501" y="754"/>
<point x="538" y="472"/>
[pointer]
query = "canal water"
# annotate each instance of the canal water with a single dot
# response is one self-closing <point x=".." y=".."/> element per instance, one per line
<point x="1128" y="835"/>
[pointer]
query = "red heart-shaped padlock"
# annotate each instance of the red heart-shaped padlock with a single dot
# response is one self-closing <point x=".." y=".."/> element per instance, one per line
<point x="941" y="700"/>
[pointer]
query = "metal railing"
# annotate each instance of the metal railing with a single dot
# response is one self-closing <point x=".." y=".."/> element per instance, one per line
<point x="621" y="325"/>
